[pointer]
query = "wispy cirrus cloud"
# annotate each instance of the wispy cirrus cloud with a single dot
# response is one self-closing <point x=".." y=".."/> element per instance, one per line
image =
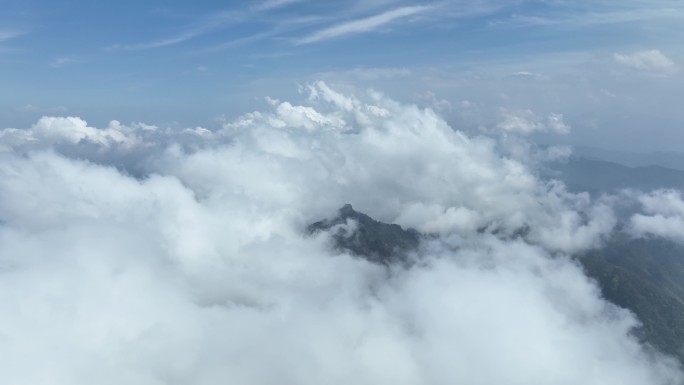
<point x="596" y="14"/>
<point x="63" y="61"/>
<point x="206" y="25"/>
<point x="362" y="25"/>
<point x="273" y="4"/>
<point x="9" y="34"/>
<point x="212" y="24"/>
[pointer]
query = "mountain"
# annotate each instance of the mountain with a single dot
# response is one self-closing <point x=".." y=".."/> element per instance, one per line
<point x="597" y="176"/>
<point x="645" y="276"/>
<point x="672" y="160"/>
<point x="361" y="235"/>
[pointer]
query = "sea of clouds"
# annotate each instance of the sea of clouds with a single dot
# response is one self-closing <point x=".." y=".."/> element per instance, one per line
<point x="136" y="254"/>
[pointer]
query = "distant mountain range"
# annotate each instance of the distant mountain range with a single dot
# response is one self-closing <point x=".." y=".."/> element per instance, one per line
<point x="671" y="160"/>
<point x="600" y="176"/>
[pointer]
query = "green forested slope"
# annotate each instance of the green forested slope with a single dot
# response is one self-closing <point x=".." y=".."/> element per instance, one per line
<point x="645" y="276"/>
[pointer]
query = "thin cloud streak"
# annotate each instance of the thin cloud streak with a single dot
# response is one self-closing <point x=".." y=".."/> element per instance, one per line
<point x="273" y="4"/>
<point x="63" y="61"/>
<point x="591" y="17"/>
<point x="362" y="25"/>
<point x="6" y="35"/>
<point x="237" y="42"/>
<point x="208" y="25"/>
<point x="278" y="30"/>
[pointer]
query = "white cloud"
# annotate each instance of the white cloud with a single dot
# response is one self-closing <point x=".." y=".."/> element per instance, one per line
<point x="273" y="4"/>
<point x="199" y="271"/>
<point x="527" y="122"/>
<point x="202" y="27"/>
<point x="380" y="73"/>
<point x="607" y="93"/>
<point x="520" y="121"/>
<point x="651" y="61"/>
<point x="439" y="104"/>
<point x="63" y="61"/>
<point x="29" y="108"/>
<point x="663" y="215"/>
<point x="555" y="123"/>
<point x="68" y="130"/>
<point x="40" y="110"/>
<point x="9" y="34"/>
<point x="555" y="153"/>
<point x="362" y="25"/>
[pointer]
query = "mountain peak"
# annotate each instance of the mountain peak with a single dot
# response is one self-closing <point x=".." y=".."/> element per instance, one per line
<point x="361" y="235"/>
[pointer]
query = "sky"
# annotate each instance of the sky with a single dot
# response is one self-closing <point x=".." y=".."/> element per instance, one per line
<point x="608" y="70"/>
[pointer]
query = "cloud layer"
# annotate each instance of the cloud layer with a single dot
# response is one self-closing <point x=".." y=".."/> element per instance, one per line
<point x="141" y="255"/>
<point x="650" y="61"/>
<point x="663" y="215"/>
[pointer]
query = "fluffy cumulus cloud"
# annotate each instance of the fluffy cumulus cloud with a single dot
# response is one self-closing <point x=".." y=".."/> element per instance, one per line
<point x="663" y="215"/>
<point x="526" y="122"/>
<point x="69" y="130"/>
<point x="652" y="61"/>
<point x="181" y="256"/>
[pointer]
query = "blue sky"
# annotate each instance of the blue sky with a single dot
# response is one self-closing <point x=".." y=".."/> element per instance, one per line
<point x="611" y="69"/>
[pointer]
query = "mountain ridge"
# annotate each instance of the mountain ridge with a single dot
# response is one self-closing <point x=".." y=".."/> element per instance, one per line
<point x="642" y="275"/>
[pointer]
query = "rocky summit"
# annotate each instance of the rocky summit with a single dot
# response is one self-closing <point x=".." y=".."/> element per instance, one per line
<point x="363" y="236"/>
